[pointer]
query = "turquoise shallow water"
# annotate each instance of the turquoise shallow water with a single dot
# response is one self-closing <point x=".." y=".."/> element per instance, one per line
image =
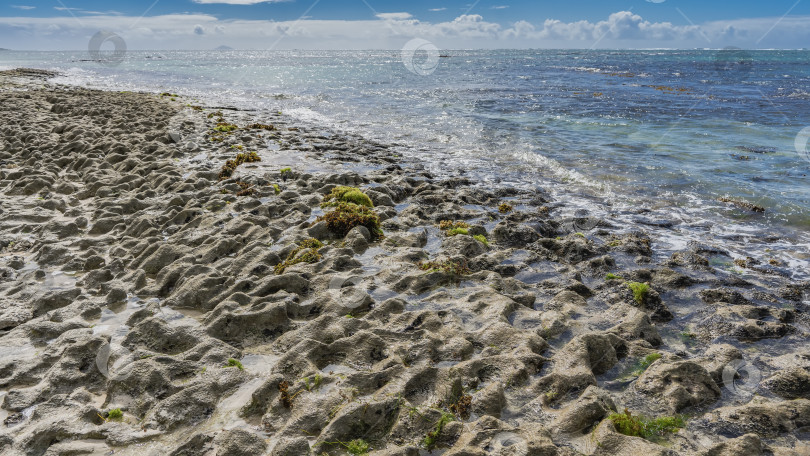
<point x="670" y="130"/>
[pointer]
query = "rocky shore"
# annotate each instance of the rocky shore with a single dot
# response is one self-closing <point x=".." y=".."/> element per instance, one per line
<point x="190" y="280"/>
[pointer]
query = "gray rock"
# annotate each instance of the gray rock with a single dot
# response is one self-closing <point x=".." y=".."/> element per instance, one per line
<point x="790" y="383"/>
<point x="594" y="405"/>
<point x="490" y="401"/>
<point x="239" y="442"/>
<point x="318" y="231"/>
<point x="291" y="446"/>
<point x="564" y="299"/>
<point x="762" y="417"/>
<point x="637" y="325"/>
<point x="678" y="384"/>
<point x="611" y="443"/>
<point x="488" y="435"/>
<point x="379" y="199"/>
<point x="464" y="246"/>
<point x="511" y="234"/>
<point x="577" y="364"/>
<point x="748" y="445"/>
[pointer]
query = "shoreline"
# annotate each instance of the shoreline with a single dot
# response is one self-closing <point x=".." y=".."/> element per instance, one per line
<point x="674" y="219"/>
<point x="121" y="241"/>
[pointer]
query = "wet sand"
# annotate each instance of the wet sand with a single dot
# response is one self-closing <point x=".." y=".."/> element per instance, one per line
<point x="139" y="277"/>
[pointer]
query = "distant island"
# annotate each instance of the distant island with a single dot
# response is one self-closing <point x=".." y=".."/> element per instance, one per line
<point x="223" y="48"/>
<point x="4" y="49"/>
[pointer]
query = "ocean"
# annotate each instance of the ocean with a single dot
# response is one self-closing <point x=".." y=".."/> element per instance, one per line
<point x="651" y="139"/>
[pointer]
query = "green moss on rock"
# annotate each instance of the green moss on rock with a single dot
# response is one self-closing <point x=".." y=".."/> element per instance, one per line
<point x="640" y="291"/>
<point x="639" y="426"/>
<point x="311" y="255"/>
<point x="342" y="194"/>
<point x="230" y="166"/>
<point x="346" y="216"/>
<point x="482" y="239"/>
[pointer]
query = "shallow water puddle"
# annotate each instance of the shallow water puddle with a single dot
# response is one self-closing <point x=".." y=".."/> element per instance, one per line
<point x="367" y="259"/>
<point x="181" y="317"/>
<point x="113" y="323"/>
<point x="316" y="212"/>
<point x="277" y="159"/>
<point x="262" y="364"/>
<point x="434" y="238"/>
<point x="13" y="354"/>
<point x="338" y="369"/>
<point x="3" y="412"/>
<point x="382" y="294"/>
<point x="537" y="272"/>
<point x="225" y="417"/>
<point x="58" y="280"/>
<point x="517" y="257"/>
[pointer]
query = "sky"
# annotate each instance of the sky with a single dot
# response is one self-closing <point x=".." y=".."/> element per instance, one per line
<point x="378" y="24"/>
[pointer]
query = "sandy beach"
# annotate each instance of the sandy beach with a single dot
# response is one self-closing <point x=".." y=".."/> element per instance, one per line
<point x="186" y="279"/>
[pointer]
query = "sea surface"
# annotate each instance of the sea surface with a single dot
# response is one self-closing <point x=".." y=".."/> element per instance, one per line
<point x="651" y="138"/>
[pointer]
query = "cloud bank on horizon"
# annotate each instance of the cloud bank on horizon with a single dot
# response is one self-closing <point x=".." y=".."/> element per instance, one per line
<point x="71" y="29"/>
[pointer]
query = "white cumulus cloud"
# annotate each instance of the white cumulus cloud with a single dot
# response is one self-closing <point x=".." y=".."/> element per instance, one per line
<point x="622" y="29"/>
<point x="394" y="16"/>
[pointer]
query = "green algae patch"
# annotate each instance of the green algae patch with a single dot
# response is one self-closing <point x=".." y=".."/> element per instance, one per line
<point x="311" y="255"/>
<point x="640" y="291"/>
<point x="482" y="239"/>
<point x="646" y="362"/>
<point x="457" y="231"/>
<point x="356" y="447"/>
<point x="260" y="126"/>
<point x="447" y="225"/>
<point x="245" y="189"/>
<point x="343" y="194"/>
<point x="233" y="362"/>
<point x="648" y="428"/>
<point x="454" y="228"/>
<point x="430" y="439"/>
<point x="346" y="216"/>
<point x="505" y="208"/>
<point x="230" y="166"/>
<point x="458" y="268"/>
<point x="742" y="204"/>
<point x="224" y="127"/>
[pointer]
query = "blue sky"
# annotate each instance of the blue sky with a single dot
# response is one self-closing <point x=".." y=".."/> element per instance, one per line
<point x="366" y="24"/>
